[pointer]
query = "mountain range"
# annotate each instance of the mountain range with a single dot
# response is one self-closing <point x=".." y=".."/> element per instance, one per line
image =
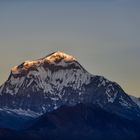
<point x="56" y="98"/>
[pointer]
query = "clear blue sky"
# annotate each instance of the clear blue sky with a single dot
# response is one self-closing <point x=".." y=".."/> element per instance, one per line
<point x="104" y="35"/>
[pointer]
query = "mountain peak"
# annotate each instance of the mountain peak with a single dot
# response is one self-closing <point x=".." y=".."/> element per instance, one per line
<point x="50" y="75"/>
<point x="57" y="56"/>
<point x="53" y="58"/>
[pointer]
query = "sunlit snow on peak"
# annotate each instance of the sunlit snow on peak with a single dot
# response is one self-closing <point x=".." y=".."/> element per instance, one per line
<point x="25" y="66"/>
<point x="56" y="56"/>
<point x="28" y="64"/>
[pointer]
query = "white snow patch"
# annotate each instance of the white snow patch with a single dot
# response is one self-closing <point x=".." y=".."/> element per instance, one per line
<point x="111" y="95"/>
<point x="15" y="83"/>
<point x="123" y="102"/>
<point x="103" y="81"/>
<point x="22" y="112"/>
<point x="111" y="99"/>
<point x="54" y="99"/>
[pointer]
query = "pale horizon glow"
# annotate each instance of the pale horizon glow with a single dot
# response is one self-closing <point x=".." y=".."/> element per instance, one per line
<point x="103" y="36"/>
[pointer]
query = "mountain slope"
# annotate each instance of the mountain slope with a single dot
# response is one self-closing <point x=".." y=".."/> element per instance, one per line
<point x="81" y="122"/>
<point x="58" y="79"/>
<point x="13" y="120"/>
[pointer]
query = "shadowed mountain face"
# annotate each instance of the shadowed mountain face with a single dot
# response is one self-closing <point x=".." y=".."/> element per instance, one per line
<point x="80" y="122"/>
<point x="89" y="106"/>
<point x="85" y="122"/>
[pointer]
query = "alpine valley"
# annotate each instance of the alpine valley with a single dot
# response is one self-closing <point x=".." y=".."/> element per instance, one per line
<point x="55" y="98"/>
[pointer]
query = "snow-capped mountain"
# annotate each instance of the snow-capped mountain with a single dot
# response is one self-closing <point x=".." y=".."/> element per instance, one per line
<point x="58" y="79"/>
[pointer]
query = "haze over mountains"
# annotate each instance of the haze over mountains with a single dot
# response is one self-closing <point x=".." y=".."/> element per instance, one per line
<point x="56" y="97"/>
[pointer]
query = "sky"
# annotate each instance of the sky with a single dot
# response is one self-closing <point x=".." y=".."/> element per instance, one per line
<point x="104" y="36"/>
